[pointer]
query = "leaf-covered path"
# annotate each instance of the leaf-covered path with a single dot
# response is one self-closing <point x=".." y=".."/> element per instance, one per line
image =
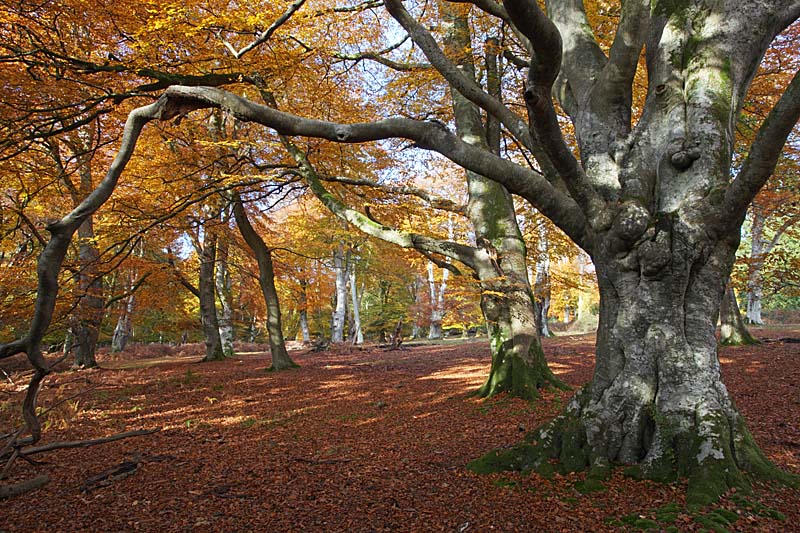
<point x="360" y="440"/>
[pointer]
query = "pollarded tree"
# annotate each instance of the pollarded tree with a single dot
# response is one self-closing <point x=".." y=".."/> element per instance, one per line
<point x="652" y="203"/>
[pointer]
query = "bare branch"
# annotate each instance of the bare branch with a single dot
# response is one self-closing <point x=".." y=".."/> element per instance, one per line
<point x="266" y="34"/>
<point x="524" y="182"/>
<point x="764" y="153"/>
<point x="86" y="443"/>
<point x="379" y="57"/>
<point x="459" y="81"/>
<point x="437" y="202"/>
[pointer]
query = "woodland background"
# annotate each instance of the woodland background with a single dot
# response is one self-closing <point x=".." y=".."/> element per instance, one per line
<point x="130" y="288"/>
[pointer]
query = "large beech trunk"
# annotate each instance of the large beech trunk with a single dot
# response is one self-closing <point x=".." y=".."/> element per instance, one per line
<point x="662" y="243"/>
<point x="656" y="399"/>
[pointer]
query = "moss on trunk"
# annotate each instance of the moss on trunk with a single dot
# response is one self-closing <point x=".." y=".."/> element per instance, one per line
<point x="517" y="376"/>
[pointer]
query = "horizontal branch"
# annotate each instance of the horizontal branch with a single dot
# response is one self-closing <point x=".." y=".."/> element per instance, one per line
<point x="86" y="443"/>
<point x="437" y="202"/>
<point x="524" y="182"/>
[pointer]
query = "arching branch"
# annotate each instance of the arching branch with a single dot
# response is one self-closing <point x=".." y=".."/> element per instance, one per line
<point x="764" y="153"/>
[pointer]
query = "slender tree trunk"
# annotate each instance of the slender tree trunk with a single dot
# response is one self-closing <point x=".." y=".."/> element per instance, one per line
<point x="304" y="331"/>
<point x="223" y="286"/>
<point x="122" y="330"/>
<point x="355" y="300"/>
<point x="340" y="268"/>
<point x="437" y="302"/>
<point x="266" y="278"/>
<point x="208" y="307"/>
<point x="541" y="283"/>
<point x="90" y="306"/>
<point x="733" y="332"/>
<point x="755" y="289"/>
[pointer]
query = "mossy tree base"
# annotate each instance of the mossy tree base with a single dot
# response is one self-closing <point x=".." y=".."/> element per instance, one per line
<point x="716" y="453"/>
<point x="738" y="338"/>
<point x="519" y="377"/>
<point x="287" y="364"/>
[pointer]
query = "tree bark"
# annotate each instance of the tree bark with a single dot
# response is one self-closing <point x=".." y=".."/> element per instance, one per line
<point x="223" y="285"/>
<point x="122" y="330"/>
<point x="733" y="332"/>
<point x="355" y="302"/>
<point x="86" y="327"/>
<point x="305" y="334"/>
<point x="266" y="279"/>
<point x="755" y="289"/>
<point x="208" y="305"/>
<point x="437" y="301"/>
<point x="341" y="266"/>
<point x="518" y="363"/>
<point x="541" y="284"/>
<point x="664" y="256"/>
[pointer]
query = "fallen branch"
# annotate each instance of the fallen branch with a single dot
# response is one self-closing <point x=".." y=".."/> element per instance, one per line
<point x="9" y="491"/>
<point x="109" y="476"/>
<point x="87" y="443"/>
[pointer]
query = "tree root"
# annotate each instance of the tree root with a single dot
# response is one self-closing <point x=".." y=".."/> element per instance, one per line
<point x="713" y="462"/>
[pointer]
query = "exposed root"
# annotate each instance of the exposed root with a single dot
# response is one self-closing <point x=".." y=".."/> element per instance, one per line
<point x="716" y="454"/>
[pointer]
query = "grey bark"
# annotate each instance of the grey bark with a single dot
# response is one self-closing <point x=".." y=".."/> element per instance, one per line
<point x="541" y="284"/>
<point x="266" y="279"/>
<point x="122" y="330"/>
<point x="222" y="283"/>
<point x="341" y="268"/>
<point x="303" y="303"/>
<point x="355" y="306"/>
<point x="207" y="295"/>
<point x="437" y="302"/>
<point x="86" y="325"/>
<point x="732" y="332"/>
<point x="755" y="290"/>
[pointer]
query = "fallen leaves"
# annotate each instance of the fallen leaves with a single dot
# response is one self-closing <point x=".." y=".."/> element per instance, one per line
<point x="365" y="440"/>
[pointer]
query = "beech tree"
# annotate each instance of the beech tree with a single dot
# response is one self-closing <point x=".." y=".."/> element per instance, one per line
<point x="651" y="200"/>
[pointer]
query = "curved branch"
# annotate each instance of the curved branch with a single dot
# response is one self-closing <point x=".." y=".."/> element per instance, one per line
<point x="453" y="250"/>
<point x="455" y="77"/>
<point x="584" y="58"/>
<point x="544" y="70"/>
<point x="764" y="153"/>
<point x="531" y="185"/>
<point x="266" y="34"/>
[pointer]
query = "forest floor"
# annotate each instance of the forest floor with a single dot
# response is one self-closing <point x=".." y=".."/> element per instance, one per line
<point x="358" y="439"/>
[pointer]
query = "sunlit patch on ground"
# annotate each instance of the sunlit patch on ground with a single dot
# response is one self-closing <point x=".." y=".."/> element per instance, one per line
<point x="354" y="440"/>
